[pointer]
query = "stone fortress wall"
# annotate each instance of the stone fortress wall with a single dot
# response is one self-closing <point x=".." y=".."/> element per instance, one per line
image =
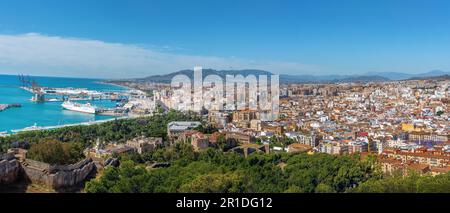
<point x="9" y="168"/>
<point x="54" y="176"/>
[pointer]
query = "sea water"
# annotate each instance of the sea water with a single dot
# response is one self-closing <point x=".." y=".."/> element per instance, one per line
<point x="48" y="113"/>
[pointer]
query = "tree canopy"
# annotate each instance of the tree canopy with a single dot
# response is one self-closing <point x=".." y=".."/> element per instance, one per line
<point x="413" y="183"/>
<point x="56" y="152"/>
<point x="215" y="171"/>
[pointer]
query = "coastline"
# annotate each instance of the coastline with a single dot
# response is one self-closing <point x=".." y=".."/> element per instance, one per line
<point x="113" y="84"/>
<point x="88" y="123"/>
<point x="119" y="85"/>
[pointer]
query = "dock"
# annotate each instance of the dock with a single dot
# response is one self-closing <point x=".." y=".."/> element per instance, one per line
<point x="70" y="94"/>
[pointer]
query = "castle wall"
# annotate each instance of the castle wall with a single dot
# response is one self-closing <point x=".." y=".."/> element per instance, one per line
<point x="57" y="176"/>
<point x="9" y="168"/>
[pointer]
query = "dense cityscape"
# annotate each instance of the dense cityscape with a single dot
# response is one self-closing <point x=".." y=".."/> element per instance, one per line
<point x="219" y="105"/>
<point x="361" y="134"/>
<point x="405" y="123"/>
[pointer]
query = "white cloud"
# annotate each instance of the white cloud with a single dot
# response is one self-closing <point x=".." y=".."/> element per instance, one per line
<point x="37" y="54"/>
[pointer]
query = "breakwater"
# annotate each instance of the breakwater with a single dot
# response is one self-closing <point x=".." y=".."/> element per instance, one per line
<point x="7" y="106"/>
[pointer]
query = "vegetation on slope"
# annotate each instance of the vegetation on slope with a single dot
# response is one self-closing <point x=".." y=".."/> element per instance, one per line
<point x="116" y="131"/>
<point x="215" y="171"/>
<point x="212" y="170"/>
<point x="413" y="183"/>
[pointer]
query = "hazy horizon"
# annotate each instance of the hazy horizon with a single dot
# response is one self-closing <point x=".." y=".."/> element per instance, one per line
<point x="315" y="75"/>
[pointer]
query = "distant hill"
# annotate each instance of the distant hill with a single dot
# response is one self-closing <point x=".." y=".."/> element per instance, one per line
<point x="381" y="76"/>
<point x="367" y="78"/>
<point x="167" y="78"/>
<point x="404" y="76"/>
<point x="330" y="78"/>
<point x="205" y="72"/>
<point x="441" y="77"/>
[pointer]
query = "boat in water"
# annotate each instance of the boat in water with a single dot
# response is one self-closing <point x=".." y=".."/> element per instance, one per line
<point x="78" y="107"/>
<point x="4" y="134"/>
<point x="30" y="128"/>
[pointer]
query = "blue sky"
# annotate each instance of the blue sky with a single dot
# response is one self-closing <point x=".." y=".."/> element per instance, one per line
<point x="107" y="38"/>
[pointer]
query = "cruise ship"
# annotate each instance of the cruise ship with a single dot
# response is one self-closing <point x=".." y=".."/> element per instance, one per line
<point x="85" y="108"/>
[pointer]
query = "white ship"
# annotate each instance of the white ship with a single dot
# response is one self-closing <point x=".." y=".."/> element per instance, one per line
<point x="3" y="134"/>
<point x="30" y="128"/>
<point x="85" y="108"/>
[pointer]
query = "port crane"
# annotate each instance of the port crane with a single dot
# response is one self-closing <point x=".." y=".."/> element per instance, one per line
<point x="32" y="86"/>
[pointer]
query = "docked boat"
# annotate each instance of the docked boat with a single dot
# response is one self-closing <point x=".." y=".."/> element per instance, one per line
<point x="78" y="107"/>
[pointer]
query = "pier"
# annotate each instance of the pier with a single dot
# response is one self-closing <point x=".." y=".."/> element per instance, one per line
<point x="70" y="94"/>
<point x="53" y="94"/>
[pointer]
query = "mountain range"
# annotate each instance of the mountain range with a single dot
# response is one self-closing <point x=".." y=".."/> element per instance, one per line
<point x="404" y="76"/>
<point x="167" y="78"/>
<point x="375" y="76"/>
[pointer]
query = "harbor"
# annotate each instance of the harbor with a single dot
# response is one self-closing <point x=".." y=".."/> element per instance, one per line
<point x="51" y="102"/>
<point x="18" y="111"/>
<point x="71" y="97"/>
<point x="40" y="94"/>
